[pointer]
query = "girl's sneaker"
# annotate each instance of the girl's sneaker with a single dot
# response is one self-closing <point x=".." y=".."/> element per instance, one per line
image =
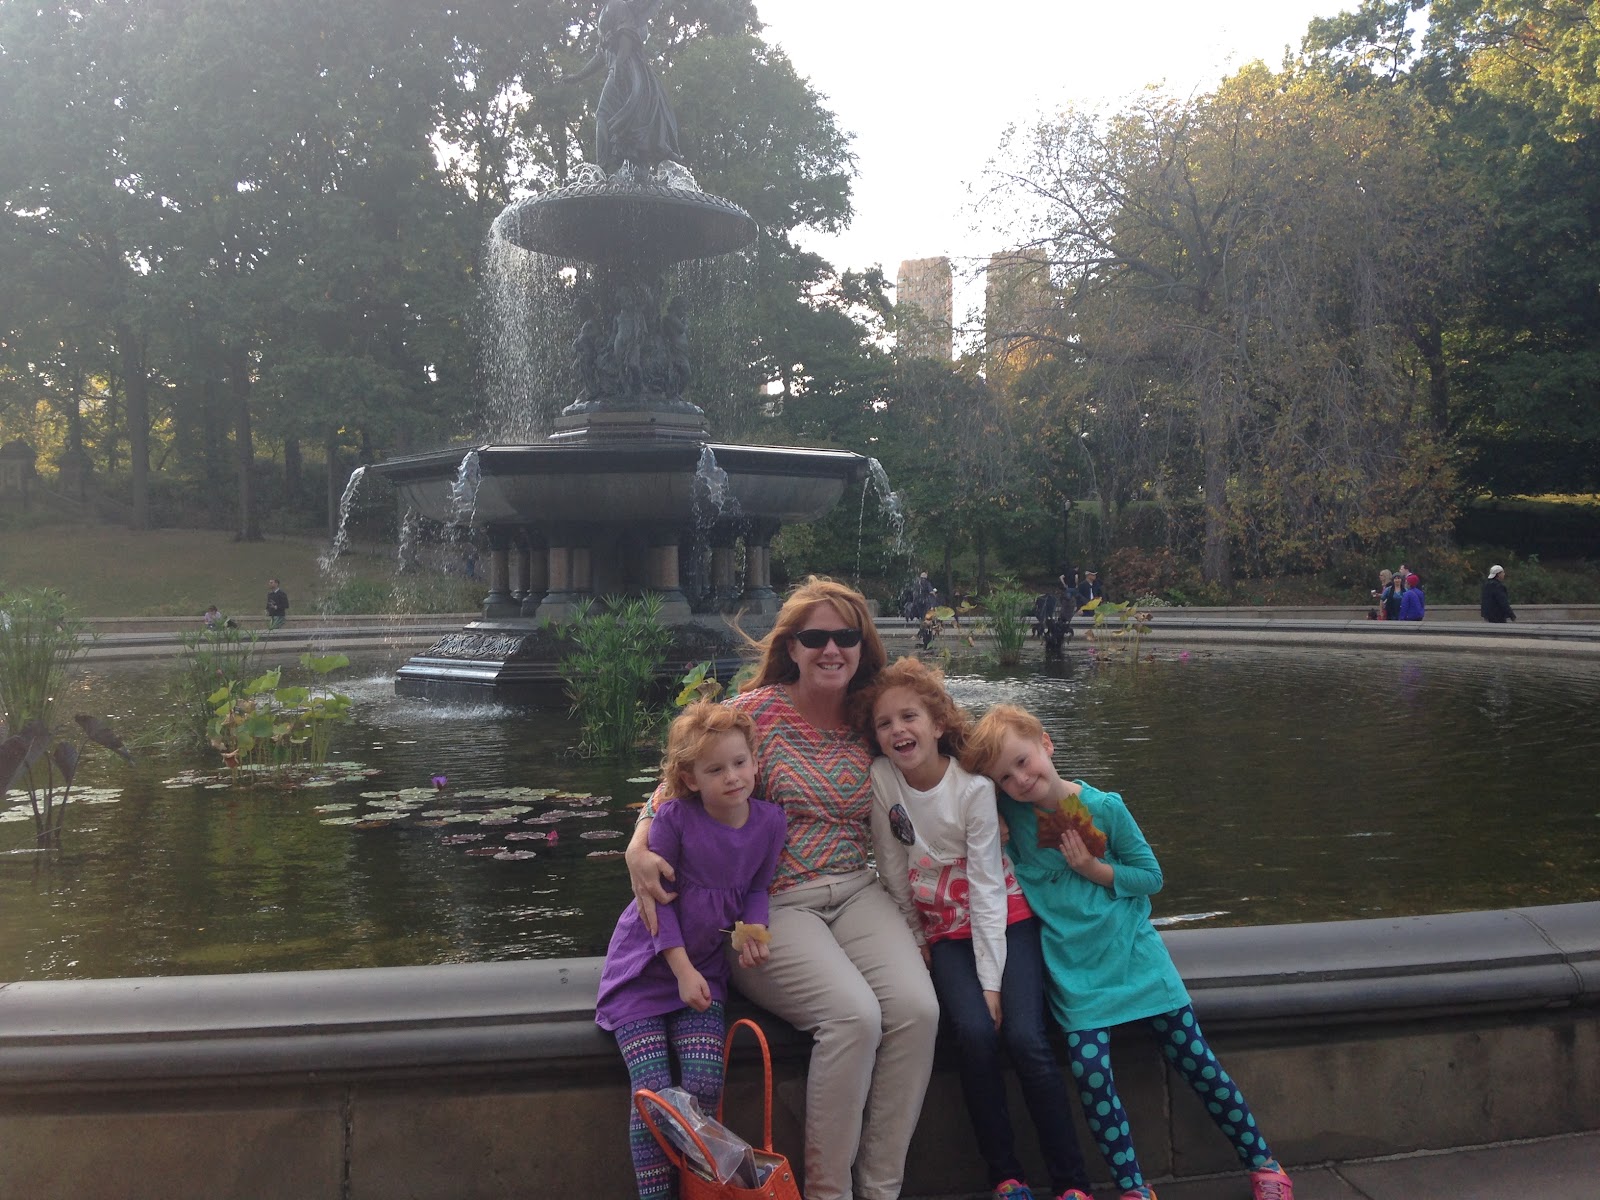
<point x="1074" y="1194"/>
<point x="1143" y="1192"/>
<point x="1011" y="1189"/>
<point x="1270" y="1182"/>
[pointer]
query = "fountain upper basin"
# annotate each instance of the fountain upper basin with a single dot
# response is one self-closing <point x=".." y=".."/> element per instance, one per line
<point x="645" y="483"/>
<point x="617" y="225"/>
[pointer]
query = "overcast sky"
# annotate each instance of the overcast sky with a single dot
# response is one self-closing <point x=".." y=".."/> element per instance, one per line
<point x="927" y="87"/>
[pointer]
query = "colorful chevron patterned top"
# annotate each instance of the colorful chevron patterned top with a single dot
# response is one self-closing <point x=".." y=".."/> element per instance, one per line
<point x="822" y="779"/>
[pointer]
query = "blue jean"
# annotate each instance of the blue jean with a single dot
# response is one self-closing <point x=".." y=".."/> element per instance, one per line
<point x="1022" y="1030"/>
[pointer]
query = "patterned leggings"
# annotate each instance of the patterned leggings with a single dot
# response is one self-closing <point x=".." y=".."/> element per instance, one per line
<point x="696" y="1041"/>
<point x="1186" y="1049"/>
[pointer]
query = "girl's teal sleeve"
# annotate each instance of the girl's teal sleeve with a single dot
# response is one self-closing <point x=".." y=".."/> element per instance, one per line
<point x="1135" y="871"/>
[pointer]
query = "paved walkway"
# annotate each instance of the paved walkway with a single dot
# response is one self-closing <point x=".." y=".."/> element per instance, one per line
<point x="1560" y="1168"/>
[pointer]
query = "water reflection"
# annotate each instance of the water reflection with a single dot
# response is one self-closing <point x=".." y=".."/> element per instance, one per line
<point x="1276" y="785"/>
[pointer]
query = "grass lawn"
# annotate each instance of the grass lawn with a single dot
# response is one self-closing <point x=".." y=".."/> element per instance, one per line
<point x="111" y="572"/>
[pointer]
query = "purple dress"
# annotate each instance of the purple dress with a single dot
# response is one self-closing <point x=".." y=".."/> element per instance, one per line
<point x="722" y="876"/>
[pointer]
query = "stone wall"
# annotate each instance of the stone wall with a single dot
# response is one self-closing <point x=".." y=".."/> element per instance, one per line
<point x="489" y="1080"/>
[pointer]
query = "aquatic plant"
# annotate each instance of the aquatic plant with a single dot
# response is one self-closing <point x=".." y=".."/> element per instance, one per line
<point x="617" y="654"/>
<point x="260" y="723"/>
<point x="1007" y="606"/>
<point x="212" y="658"/>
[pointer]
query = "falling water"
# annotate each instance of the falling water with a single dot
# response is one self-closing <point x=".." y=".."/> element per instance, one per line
<point x="464" y="491"/>
<point x="889" y="508"/>
<point x="712" y="499"/>
<point x="529" y="324"/>
<point x="406" y="554"/>
<point x="341" y="536"/>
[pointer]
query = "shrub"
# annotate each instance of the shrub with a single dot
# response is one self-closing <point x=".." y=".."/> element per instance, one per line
<point x="616" y="656"/>
<point x="1007" y="607"/>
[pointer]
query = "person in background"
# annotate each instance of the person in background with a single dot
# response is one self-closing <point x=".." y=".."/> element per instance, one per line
<point x="1412" y="607"/>
<point x="1390" y="600"/>
<point x="213" y="617"/>
<point x="1385" y="577"/>
<point x="1496" y="604"/>
<point x="1089" y="589"/>
<point x="277" y="604"/>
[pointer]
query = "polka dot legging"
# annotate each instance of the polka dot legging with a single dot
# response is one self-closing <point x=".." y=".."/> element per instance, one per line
<point x="1185" y="1047"/>
<point x="696" y="1042"/>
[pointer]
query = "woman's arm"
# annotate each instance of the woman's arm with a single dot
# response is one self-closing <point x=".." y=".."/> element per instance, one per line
<point x="646" y="871"/>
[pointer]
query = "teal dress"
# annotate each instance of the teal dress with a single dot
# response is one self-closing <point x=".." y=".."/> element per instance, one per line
<point x="1105" y="961"/>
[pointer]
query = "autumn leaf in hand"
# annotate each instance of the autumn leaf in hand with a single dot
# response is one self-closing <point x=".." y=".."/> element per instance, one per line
<point x="743" y="934"/>
<point x="1073" y="814"/>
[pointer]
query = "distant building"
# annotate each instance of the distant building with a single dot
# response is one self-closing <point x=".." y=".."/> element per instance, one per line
<point x="1017" y="303"/>
<point x="923" y="308"/>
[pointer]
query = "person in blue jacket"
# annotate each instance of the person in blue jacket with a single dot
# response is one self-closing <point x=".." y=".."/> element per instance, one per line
<point x="1104" y="961"/>
<point x="1412" y="607"/>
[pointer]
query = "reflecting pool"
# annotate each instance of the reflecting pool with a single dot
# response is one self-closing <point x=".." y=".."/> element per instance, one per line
<point x="1275" y="784"/>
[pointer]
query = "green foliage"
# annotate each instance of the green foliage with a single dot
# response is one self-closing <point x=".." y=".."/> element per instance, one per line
<point x="212" y="659"/>
<point x="1119" y="628"/>
<point x="259" y="723"/>
<point x="40" y="636"/>
<point x="698" y="683"/>
<point x="1007" y="608"/>
<point x="617" y="654"/>
<point x="39" y="639"/>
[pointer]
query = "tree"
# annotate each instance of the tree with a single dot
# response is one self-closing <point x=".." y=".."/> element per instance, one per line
<point x="1244" y="273"/>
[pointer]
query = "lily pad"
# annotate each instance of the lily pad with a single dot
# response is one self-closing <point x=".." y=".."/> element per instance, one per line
<point x="463" y="818"/>
<point x="373" y="824"/>
<point x="484" y="851"/>
<point x="512" y="855"/>
<point x="498" y="821"/>
<point x="525" y="837"/>
<point x="456" y="839"/>
<point x="595" y="835"/>
<point x="604" y="854"/>
<point x="327" y="808"/>
<point x="16" y="814"/>
<point x="642" y="778"/>
<point x="341" y="820"/>
<point x="430" y="824"/>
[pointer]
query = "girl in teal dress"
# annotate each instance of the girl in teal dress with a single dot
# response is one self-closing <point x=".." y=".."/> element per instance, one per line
<point x="1104" y="960"/>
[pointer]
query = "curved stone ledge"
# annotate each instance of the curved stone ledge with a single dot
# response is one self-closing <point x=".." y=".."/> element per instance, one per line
<point x="538" y="1016"/>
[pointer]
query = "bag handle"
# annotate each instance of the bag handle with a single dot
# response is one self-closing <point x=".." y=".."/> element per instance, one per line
<point x="766" y="1074"/>
<point x="643" y="1100"/>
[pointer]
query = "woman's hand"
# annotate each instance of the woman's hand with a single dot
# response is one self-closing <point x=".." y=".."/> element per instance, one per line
<point x="991" y="1001"/>
<point x="646" y="870"/>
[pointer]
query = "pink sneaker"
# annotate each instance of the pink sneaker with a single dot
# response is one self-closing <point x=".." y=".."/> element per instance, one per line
<point x="1143" y="1192"/>
<point x="1074" y="1194"/>
<point x="1012" y="1189"/>
<point x="1271" y="1182"/>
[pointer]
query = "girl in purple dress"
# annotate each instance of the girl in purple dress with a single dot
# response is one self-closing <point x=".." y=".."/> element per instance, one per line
<point x="670" y="989"/>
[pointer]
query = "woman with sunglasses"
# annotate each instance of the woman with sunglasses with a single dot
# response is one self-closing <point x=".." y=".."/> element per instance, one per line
<point x="844" y="966"/>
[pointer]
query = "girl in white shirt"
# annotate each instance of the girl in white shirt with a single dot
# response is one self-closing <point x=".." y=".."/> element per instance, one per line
<point x="936" y="839"/>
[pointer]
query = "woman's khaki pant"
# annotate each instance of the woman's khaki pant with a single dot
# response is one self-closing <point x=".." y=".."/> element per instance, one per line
<point x="845" y="969"/>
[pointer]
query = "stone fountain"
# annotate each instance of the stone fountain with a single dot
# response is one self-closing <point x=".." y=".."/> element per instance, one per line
<point x="612" y="503"/>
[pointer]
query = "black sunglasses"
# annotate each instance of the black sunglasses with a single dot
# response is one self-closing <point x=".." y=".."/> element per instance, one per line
<point x="816" y="639"/>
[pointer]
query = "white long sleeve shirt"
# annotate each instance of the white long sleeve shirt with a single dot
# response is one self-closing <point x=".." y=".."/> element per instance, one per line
<point x="938" y="853"/>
